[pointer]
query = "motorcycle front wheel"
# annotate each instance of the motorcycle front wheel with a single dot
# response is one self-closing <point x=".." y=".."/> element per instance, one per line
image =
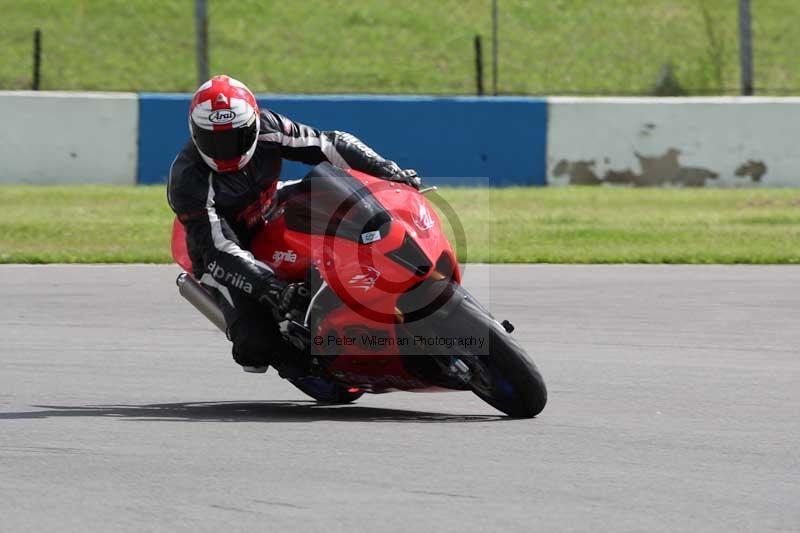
<point x="516" y="386"/>
<point x="506" y="378"/>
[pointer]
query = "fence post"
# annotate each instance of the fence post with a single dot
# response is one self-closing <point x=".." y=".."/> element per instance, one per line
<point x="479" y="65"/>
<point x="201" y="27"/>
<point x="746" y="47"/>
<point x="37" y="59"/>
<point x="494" y="47"/>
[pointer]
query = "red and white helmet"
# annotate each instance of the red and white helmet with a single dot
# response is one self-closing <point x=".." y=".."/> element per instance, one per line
<point x="223" y="119"/>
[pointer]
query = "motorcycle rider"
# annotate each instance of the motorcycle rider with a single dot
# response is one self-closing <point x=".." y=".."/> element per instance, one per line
<point x="221" y="184"/>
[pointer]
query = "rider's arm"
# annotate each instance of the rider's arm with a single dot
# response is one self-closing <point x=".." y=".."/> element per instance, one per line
<point x="309" y="145"/>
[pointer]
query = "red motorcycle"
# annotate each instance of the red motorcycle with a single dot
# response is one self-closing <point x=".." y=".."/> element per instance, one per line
<point x="388" y="311"/>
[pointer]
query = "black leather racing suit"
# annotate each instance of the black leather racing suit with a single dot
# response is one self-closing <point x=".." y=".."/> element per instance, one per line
<point x="222" y="212"/>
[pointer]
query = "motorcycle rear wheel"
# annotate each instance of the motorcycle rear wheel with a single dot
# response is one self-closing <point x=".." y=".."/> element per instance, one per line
<point x="325" y="391"/>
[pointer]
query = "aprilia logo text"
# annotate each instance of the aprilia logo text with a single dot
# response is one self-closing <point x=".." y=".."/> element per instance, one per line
<point x="229" y="278"/>
<point x="279" y="256"/>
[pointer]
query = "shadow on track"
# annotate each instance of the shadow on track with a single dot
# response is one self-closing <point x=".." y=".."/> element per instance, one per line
<point x="272" y="411"/>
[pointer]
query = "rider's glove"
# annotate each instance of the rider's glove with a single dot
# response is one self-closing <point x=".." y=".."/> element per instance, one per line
<point x="290" y="300"/>
<point x="294" y="301"/>
<point x="408" y="176"/>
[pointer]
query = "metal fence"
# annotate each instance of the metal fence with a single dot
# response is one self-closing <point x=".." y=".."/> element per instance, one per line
<point x="519" y="47"/>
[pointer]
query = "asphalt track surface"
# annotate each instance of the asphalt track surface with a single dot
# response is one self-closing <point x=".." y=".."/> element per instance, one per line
<point x="674" y="406"/>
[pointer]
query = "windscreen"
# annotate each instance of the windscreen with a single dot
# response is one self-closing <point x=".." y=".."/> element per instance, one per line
<point x="331" y="202"/>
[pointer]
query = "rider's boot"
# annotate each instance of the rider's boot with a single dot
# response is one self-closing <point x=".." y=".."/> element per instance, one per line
<point x="252" y="340"/>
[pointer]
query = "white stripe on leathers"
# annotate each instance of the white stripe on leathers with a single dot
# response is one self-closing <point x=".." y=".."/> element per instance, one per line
<point x="208" y="280"/>
<point x="325" y="144"/>
<point x="222" y="243"/>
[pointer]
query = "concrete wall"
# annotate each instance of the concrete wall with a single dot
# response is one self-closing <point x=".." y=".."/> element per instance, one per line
<point x="465" y="141"/>
<point x="713" y="142"/>
<point x="59" y="138"/>
<point x="121" y="138"/>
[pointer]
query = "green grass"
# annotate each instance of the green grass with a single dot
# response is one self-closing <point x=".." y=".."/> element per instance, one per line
<point x="554" y="225"/>
<point x="603" y="225"/>
<point x="84" y="224"/>
<point x="392" y="46"/>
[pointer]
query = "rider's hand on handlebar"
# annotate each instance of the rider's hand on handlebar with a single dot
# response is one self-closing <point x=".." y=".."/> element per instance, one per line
<point x="288" y="300"/>
<point x="294" y="301"/>
<point x="408" y="176"/>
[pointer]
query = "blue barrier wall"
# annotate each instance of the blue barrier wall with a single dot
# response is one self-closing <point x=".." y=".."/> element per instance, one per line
<point x="456" y="141"/>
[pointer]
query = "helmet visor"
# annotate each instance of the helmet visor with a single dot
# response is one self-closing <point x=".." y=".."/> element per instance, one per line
<point x="225" y="144"/>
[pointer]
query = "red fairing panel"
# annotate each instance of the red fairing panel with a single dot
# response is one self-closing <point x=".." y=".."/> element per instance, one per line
<point x="416" y="215"/>
<point x="288" y="253"/>
<point x="180" y="253"/>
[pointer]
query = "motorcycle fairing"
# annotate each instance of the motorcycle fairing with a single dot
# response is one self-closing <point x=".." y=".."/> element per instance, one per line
<point x="372" y="241"/>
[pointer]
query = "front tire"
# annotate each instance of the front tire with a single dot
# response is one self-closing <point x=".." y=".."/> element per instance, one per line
<point x="517" y="387"/>
<point x="510" y="381"/>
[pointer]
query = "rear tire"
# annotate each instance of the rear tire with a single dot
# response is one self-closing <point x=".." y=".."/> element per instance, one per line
<point x="325" y="391"/>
